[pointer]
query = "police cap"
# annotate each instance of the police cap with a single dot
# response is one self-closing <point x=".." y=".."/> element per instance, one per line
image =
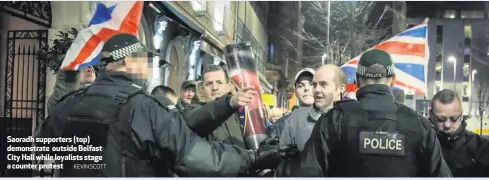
<point x="375" y="63"/>
<point x="122" y="45"/>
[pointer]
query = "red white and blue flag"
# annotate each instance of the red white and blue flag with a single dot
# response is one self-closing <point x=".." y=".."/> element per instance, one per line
<point x="410" y="53"/>
<point x="110" y="18"/>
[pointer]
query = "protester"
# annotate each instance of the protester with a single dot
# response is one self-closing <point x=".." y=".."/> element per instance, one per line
<point x="164" y="91"/>
<point x="140" y="135"/>
<point x="218" y="118"/>
<point x="304" y="92"/>
<point x="466" y="153"/>
<point x="187" y="93"/>
<point x="345" y="142"/>
<point x="68" y="81"/>
<point x="329" y="84"/>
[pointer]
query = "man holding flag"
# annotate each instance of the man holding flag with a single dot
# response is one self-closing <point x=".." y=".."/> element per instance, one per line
<point x="77" y="69"/>
<point x="68" y="81"/>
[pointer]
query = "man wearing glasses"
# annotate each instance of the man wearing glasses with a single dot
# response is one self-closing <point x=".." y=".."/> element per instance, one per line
<point x="466" y="153"/>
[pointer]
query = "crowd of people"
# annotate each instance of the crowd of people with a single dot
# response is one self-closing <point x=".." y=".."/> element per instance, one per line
<point x="197" y="131"/>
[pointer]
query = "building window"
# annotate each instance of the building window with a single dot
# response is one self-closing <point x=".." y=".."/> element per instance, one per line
<point x="246" y="35"/>
<point x="438" y="70"/>
<point x="259" y="53"/>
<point x="437" y="86"/>
<point x="439" y="42"/>
<point x="466" y="71"/>
<point x="467" y="58"/>
<point x="467" y="51"/>
<point x="199" y="5"/>
<point x="465" y="90"/>
<point x="219" y="13"/>
<point x="468" y="31"/>
<point x="472" y="14"/>
<point x="450" y="13"/>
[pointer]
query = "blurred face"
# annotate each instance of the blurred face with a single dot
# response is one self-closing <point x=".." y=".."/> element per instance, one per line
<point x="325" y="89"/>
<point x="87" y="75"/>
<point x="215" y="85"/>
<point x="447" y="117"/>
<point x="138" y="65"/>
<point x="187" y="94"/>
<point x="303" y="91"/>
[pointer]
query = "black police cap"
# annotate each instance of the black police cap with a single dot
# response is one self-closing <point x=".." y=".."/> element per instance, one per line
<point x="120" y="46"/>
<point x="375" y="63"/>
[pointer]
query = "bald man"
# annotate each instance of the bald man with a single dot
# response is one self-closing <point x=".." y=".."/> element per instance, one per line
<point x="329" y="83"/>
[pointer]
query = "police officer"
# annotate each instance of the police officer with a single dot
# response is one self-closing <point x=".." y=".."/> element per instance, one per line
<point x="374" y="136"/>
<point x="132" y="133"/>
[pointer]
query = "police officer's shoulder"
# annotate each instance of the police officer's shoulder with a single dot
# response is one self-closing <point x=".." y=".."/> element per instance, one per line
<point x="341" y="102"/>
<point x="425" y="122"/>
<point x="338" y="105"/>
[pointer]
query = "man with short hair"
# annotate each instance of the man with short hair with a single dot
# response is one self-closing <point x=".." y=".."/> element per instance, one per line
<point x="303" y="87"/>
<point x="218" y="118"/>
<point x="328" y="84"/>
<point x="165" y="91"/>
<point x="466" y="153"/>
<point x="374" y="136"/>
<point x="303" y="92"/>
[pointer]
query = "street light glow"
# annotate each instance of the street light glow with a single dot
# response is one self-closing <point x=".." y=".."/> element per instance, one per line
<point x="473" y="74"/>
<point x="452" y="59"/>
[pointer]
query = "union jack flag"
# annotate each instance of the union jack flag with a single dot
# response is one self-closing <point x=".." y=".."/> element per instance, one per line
<point x="410" y="53"/>
<point x="110" y="18"/>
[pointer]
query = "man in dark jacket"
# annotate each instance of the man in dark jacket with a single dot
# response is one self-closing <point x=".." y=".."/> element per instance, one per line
<point x="466" y="153"/>
<point x="218" y="119"/>
<point x="374" y="136"/>
<point x="68" y="81"/>
<point x="132" y="133"/>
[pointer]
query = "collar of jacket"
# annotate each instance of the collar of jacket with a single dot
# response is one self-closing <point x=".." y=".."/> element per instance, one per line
<point x="314" y="113"/>
<point x="378" y="91"/>
<point x="116" y="78"/>
<point x="452" y="140"/>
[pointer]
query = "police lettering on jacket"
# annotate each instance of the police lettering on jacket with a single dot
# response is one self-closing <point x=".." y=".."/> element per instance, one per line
<point x="382" y="143"/>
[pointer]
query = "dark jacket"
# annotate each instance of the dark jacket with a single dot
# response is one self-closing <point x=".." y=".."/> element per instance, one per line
<point x="466" y="153"/>
<point x="215" y="121"/>
<point x="66" y="82"/>
<point x="317" y="158"/>
<point x="160" y="134"/>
